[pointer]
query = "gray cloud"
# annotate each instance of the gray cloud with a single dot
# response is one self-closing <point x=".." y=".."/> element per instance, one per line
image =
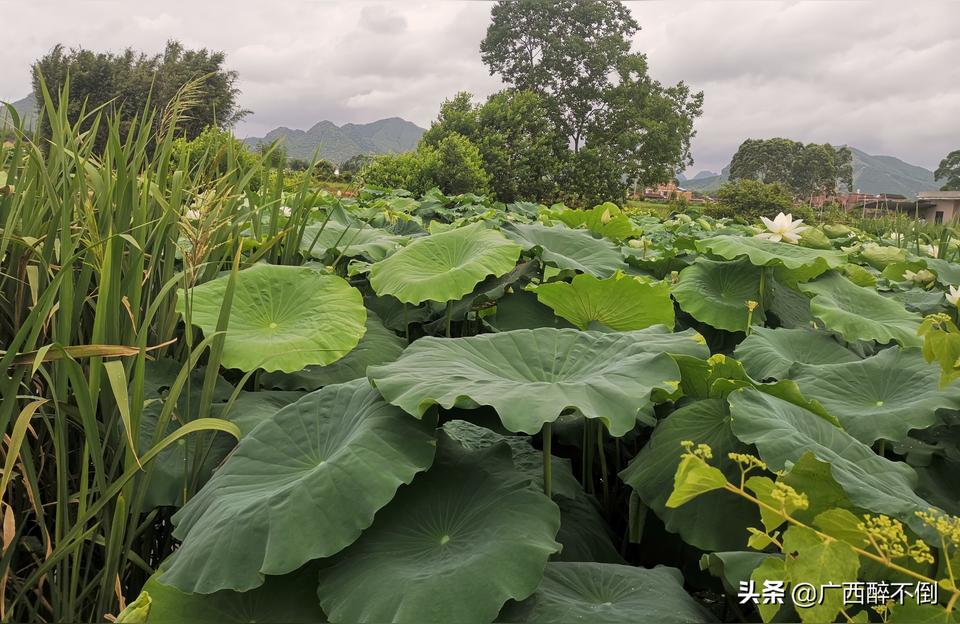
<point x="879" y="75"/>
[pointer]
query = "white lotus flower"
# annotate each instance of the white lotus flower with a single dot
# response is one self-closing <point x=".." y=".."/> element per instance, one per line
<point x="193" y="215"/>
<point x="783" y="227"/>
<point x="285" y="211"/>
<point x="931" y="250"/>
<point x="954" y="295"/>
<point x="919" y="277"/>
<point x="896" y="237"/>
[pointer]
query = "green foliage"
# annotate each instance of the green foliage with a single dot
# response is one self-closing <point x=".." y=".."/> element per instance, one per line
<point x="216" y="153"/>
<point x="747" y="200"/>
<point x="133" y="85"/>
<point x="806" y="170"/>
<point x="520" y="147"/>
<point x="455" y="166"/>
<point x="623" y="126"/>
<point x="949" y="170"/>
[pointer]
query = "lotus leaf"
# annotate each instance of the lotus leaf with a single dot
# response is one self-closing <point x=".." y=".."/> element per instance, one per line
<point x="465" y="537"/>
<point x="564" y="248"/>
<point x="282" y="317"/>
<point x="300" y="486"/>
<point x="445" y="266"/>
<point x="716" y="293"/>
<point x="769" y="353"/>
<point x="859" y="313"/>
<point x="531" y="376"/>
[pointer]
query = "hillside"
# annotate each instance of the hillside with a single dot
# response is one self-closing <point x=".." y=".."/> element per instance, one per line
<point x="871" y="174"/>
<point x="26" y="108"/>
<point x="340" y="143"/>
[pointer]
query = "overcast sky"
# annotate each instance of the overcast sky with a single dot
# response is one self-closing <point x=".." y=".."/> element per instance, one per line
<point x="882" y="76"/>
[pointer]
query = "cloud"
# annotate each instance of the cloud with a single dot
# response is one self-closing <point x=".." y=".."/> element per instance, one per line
<point x="879" y="75"/>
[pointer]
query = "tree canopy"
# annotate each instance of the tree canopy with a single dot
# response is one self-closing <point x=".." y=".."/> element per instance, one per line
<point x="129" y="83"/>
<point x="621" y="126"/>
<point x="806" y="170"/>
<point x="949" y="170"/>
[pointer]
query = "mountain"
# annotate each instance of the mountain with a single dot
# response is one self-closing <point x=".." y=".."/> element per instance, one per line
<point x="871" y="174"/>
<point x="26" y="108"/>
<point x="340" y="143"/>
<point x="886" y="174"/>
<point x="704" y="174"/>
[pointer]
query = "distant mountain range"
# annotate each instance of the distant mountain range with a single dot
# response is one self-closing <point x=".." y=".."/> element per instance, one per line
<point x="341" y="143"/>
<point x="871" y="174"/>
<point x="26" y="108"/>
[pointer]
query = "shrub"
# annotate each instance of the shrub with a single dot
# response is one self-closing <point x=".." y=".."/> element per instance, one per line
<point x="748" y="200"/>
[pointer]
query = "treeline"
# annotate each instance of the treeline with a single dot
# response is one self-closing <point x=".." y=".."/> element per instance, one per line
<point x="581" y="121"/>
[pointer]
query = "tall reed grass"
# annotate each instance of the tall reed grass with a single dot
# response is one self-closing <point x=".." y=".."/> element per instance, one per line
<point x="94" y="247"/>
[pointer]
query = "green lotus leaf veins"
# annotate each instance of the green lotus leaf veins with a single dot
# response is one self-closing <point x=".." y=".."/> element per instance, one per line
<point x="444" y="266"/>
<point x="282" y="317"/>
<point x="454" y="546"/>
<point x="802" y="263"/>
<point x="565" y="248"/>
<point x="531" y="376"/>
<point x="716" y="293"/>
<point x="621" y="303"/>
<point x="302" y="485"/>
<point x="859" y="313"/>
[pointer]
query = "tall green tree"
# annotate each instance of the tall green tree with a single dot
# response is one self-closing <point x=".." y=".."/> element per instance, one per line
<point x="949" y="170"/>
<point x="517" y="140"/>
<point x="621" y="126"/>
<point x="132" y="84"/>
<point x="806" y="170"/>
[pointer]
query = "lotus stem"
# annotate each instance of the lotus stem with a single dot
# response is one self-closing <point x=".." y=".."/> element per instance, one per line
<point x="547" y="463"/>
<point x="449" y="316"/>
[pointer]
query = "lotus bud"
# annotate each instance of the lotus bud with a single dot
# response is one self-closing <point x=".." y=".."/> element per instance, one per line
<point x="606" y="217"/>
<point x="752" y="305"/>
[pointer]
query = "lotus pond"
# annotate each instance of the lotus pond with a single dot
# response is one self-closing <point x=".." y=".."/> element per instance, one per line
<point x="443" y="409"/>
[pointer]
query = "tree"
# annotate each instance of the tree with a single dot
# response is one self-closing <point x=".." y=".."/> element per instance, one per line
<point x="576" y="55"/>
<point x="806" y="170"/>
<point x="519" y="144"/>
<point x="748" y="200"/>
<point x="129" y="83"/>
<point x="949" y="170"/>
<point x="454" y="166"/>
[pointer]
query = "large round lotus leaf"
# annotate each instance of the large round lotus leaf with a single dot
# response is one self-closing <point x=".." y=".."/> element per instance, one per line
<point x="444" y="266"/>
<point x="802" y="263"/>
<point x="881" y="397"/>
<point x="250" y="409"/>
<point x="783" y="432"/>
<point x="769" y="353"/>
<point x="716" y="293"/>
<point x="584" y="533"/>
<point x="357" y="239"/>
<point x="607" y="593"/>
<point x="282" y="317"/>
<point x="530" y="376"/>
<point x="879" y="256"/>
<point x="621" y="303"/>
<point x="302" y="485"/>
<point x="712" y="521"/>
<point x="564" y="248"/>
<point x="465" y="537"/>
<point x="290" y="599"/>
<point x="859" y="313"/>
<point x="379" y="345"/>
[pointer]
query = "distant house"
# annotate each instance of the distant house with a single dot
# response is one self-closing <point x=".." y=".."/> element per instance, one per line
<point x="939" y="206"/>
<point x="667" y="191"/>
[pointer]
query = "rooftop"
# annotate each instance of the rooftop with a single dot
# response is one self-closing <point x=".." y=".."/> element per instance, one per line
<point x="939" y="195"/>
